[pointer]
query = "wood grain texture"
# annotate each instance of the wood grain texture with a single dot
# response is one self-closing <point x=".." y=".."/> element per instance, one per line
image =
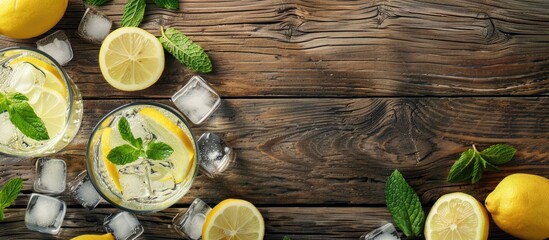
<point x="342" y="48"/>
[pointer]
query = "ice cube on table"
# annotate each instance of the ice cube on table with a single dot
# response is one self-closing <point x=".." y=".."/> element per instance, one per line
<point x="215" y="154"/>
<point x="385" y="232"/>
<point x="58" y="46"/>
<point x="196" y="100"/>
<point x="189" y="223"/>
<point x="94" y="26"/>
<point x="83" y="191"/>
<point x="44" y="213"/>
<point x="51" y="175"/>
<point x="134" y="181"/>
<point x="123" y="225"/>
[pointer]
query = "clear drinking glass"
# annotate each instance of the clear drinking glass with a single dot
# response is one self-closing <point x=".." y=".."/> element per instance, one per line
<point x="148" y="183"/>
<point x="54" y="98"/>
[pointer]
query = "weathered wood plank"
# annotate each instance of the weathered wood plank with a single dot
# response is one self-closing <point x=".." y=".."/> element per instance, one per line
<point x="297" y="223"/>
<point x="340" y="151"/>
<point x="343" y="48"/>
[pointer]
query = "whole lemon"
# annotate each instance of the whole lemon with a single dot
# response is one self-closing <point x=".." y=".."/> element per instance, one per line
<point x="29" y="18"/>
<point x="520" y="206"/>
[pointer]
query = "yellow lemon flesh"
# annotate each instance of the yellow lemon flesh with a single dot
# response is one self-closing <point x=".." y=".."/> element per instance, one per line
<point x="519" y="206"/>
<point x="457" y="216"/>
<point x="107" y="236"/>
<point x="29" y="18"/>
<point x="105" y="149"/>
<point x="131" y="59"/>
<point x="234" y="219"/>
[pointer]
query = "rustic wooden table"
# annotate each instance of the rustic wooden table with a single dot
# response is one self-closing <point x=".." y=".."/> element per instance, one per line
<point x="322" y="100"/>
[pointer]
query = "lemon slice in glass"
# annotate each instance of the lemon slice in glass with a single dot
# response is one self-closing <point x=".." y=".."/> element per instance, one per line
<point x="457" y="216"/>
<point x="131" y="59"/>
<point x="234" y="219"/>
<point x="105" y="149"/>
<point x="52" y="108"/>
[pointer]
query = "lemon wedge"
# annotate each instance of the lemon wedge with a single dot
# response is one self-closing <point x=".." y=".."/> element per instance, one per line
<point x="457" y="216"/>
<point x="234" y="219"/>
<point x="131" y="59"/>
<point x="168" y="132"/>
<point x="107" y="236"/>
<point x="105" y="149"/>
<point x="52" y="108"/>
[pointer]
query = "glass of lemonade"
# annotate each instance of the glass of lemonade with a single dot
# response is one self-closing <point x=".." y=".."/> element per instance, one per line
<point x="142" y="157"/>
<point x="40" y="107"/>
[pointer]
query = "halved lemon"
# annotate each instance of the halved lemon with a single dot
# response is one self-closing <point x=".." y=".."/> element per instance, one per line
<point x="457" y="216"/>
<point x="234" y="219"/>
<point x="105" y="149"/>
<point x="168" y="132"/>
<point x="52" y="108"/>
<point x="131" y="59"/>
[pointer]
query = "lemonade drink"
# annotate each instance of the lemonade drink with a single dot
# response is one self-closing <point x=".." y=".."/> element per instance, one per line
<point x="142" y="157"/>
<point x="40" y="107"/>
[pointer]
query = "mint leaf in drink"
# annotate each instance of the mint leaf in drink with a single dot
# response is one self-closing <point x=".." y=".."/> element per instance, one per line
<point x="96" y="2"/>
<point x="133" y="13"/>
<point x="17" y="97"/>
<point x="167" y="4"/>
<point x="498" y="154"/>
<point x="158" y="150"/>
<point x="185" y="51"/>
<point x="9" y="193"/>
<point x="126" y="133"/>
<point x="25" y="119"/>
<point x="472" y="163"/>
<point x="124" y="154"/>
<point x="3" y="103"/>
<point x="404" y="205"/>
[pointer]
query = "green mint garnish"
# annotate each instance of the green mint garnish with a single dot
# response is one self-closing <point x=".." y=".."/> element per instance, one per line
<point x="167" y="4"/>
<point x="404" y="205"/>
<point x="9" y="193"/>
<point x="185" y="51"/>
<point x="22" y="116"/>
<point x="129" y="153"/>
<point x="472" y="163"/>
<point x="286" y="238"/>
<point x="96" y="2"/>
<point x="133" y="13"/>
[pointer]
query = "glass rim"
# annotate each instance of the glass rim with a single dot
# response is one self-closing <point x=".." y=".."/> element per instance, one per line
<point x="117" y="109"/>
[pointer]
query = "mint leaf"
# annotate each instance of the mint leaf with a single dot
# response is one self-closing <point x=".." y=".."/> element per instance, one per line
<point x="158" y="150"/>
<point x="404" y="205"/>
<point x="477" y="171"/>
<point x="286" y="238"/>
<point x="462" y="168"/>
<point x="126" y="133"/>
<point x="25" y="119"/>
<point x="10" y="191"/>
<point x="3" y="103"/>
<point x="498" y="154"/>
<point x="133" y="13"/>
<point x="1" y="214"/>
<point x="167" y="4"/>
<point x="124" y="154"/>
<point x="96" y="2"/>
<point x="185" y="51"/>
<point x="17" y="97"/>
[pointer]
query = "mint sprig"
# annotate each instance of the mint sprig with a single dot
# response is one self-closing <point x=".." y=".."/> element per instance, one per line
<point x="9" y="193"/>
<point x="22" y="116"/>
<point x="185" y="50"/>
<point x="404" y="205"/>
<point x="133" y="13"/>
<point x="472" y="163"/>
<point x="128" y="153"/>
<point x="167" y="4"/>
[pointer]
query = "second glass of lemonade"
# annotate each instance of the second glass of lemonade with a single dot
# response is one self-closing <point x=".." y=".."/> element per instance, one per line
<point x="40" y="107"/>
<point x="142" y="157"/>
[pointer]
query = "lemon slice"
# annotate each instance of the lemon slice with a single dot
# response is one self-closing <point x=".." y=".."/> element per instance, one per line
<point x="54" y="80"/>
<point x="457" y="216"/>
<point x="52" y="108"/>
<point x="168" y="132"/>
<point x="131" y="59"/>
<point x="105" y="149"/>
<point x="234" y="219"/>
<point x="107" y="236"/>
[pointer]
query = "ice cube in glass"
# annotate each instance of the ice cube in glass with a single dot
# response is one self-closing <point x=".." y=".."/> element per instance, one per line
<point x="57" y="45"/>
<point x="45" y="214"/>
<point x="94" y="26"/>
<point x="123" y="225"/>
<point x="134" y="179"/>
<point x="189" y="223"/>
<point x="215" y="154"/>
<point x="385" y="232"/>
<point x="83" y="191"/>
<point x="51" y="175"/>
<point x="196" y="100"/>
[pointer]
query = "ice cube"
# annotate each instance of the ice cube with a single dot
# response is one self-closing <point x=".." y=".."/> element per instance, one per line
<point x="123" y="225"/>
<point x="8" y="133"/>
<point x="25" y="78"/>
<point x="94" y="26"/>
<point x="51" y="174"/>
<point x="134" y="181"/>
<point x="215" y="154"/>
<point x="44" y="213"/>
<point x="189" y="223"/>
<point x="385" y="232"/>
<point x="83" y="191"/>
<point x="197" y="100"/>
<point x="56" y="45"/>
<point x="161" y="177"/>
